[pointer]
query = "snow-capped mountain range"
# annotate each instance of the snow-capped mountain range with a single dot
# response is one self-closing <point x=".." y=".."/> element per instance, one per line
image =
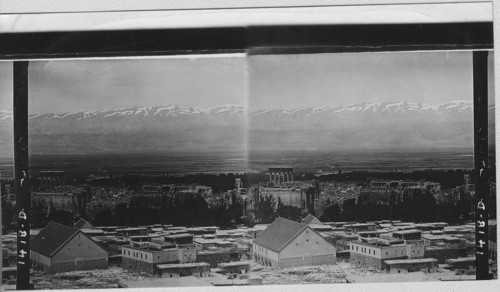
<point x="458" y="106"/>
<point x="393" y="124"/>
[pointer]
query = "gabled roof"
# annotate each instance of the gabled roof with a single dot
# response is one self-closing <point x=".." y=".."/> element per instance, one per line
<point x="51" y="238"/>
<point x="309" y="219"/>
<point x="82" y="223"/>
<point x="279" y="233"/>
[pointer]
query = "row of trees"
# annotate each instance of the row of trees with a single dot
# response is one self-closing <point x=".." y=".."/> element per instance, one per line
<point x="267" y="209"/>
<point x="185" y="210"/>
<point x="416" y="206"/>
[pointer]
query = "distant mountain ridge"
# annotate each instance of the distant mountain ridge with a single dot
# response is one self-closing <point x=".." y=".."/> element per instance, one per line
<point x="395" y="124"/>
<point x="232" y="109"/>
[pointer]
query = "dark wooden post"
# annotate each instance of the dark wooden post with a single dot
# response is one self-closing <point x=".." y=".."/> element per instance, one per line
<point x="480" y="79"/>
<point x="21" y="167"/>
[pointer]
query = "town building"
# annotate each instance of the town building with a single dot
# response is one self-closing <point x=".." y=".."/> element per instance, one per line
<point x="446" y="251"/>
<point x="287" y="243"/>
<point x="411" y="265"/>
<point x="374" y="252"/>
<point x="188" y="252"/>
<point x="144" y="257"/>
<point x="311" y="219"/>
<point x="359" y="227"/>
<point x="182" y="270"/>
<point x="182" y="238"/>
<point x="83" y="224"/>
<point x="213" y="257"/>
<point x="462" y="263"/>
<point x="59" y="248"/>
<point x="132" y="231"/>
<point x="410" y="234"/>
<point x="239" y="267"/>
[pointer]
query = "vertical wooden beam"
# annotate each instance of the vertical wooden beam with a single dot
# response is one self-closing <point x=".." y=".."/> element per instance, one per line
<point x="480" y="80"/>
<point x="21" y="168"/>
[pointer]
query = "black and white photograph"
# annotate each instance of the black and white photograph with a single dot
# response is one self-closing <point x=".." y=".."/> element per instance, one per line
<point x="262" y="156"/>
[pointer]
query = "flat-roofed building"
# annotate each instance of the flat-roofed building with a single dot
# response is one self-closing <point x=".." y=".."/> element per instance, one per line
<point x="182" y="270"/>
<point x="373" y="252"/>
<point x="374" y="233"/>
<point x="320" y="227"/>
<point x="463" y="263"/>
<point x="287" y="243"/>
<point x="131" y="231"/>
<point x="411" y="234"/>
<point x="358" y="227"/>
<point x="432" y="240"/>
<point x="213" y="257"/>
<point x="188" y="252"/>
<point x="182" y="238"/>
<point x="445" y="252"/>
<point x="203" y="243"/>
<point x="239" y="267"/>
<point x="411" y="265"/>
<point x="143" y="257"/>
<point x="415" y="249"/>
<point x="341" y="224"/>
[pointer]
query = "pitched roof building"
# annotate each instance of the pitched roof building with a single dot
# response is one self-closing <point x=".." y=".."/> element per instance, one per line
<point x="310" y="219"/>
<point x="82" y="224"/>
<point x="287" y="243"/>
<point x="59" y="248"/>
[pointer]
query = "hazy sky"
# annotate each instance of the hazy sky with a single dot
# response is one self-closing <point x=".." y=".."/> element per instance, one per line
<point x="66" y="86"/>
<point x="275" y="81"/>
<point x="293" y="81"/>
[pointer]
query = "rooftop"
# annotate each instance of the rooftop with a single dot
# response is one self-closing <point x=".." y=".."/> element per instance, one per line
<point x="411" y="261"/>
<point x="181" y="235"/>
<point x="51" y="238"/>
<point x="462" y="260"/>
<point x="409" y="231"/>
<point x="235" y="264"/>
<point x="185" y="265"/>
<point x="279" y="233"/>
<point x="82" y="222"/>
<point x="309" y="218"/>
